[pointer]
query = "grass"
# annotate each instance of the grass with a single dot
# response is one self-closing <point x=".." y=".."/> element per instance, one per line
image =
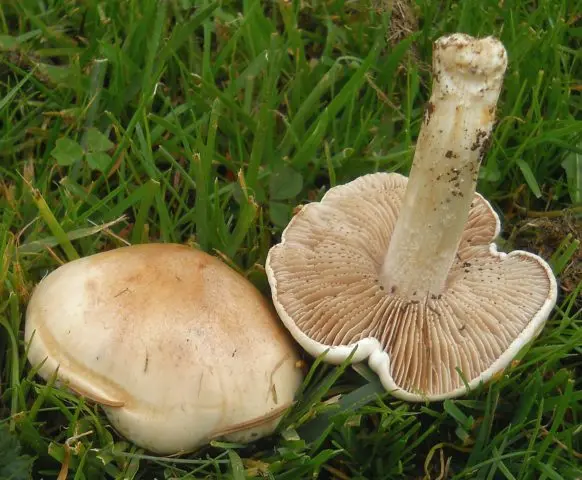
<point x="207" y="123"/>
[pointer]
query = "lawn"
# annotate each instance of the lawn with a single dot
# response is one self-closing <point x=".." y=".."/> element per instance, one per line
<point x="208" y="123"/>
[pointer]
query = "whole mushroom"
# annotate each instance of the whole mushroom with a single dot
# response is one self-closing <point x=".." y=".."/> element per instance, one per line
<point x="177" y="347"/>
<point x="406" y="269"/>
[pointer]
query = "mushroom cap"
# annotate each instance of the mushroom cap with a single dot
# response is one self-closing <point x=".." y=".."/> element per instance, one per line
<point x="176" y="346"/>
<point x="324" y="277"/>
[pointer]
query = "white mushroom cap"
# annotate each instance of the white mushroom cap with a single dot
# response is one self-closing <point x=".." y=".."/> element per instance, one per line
<point x="176" y="346"/>
<point x="325" y="273"/>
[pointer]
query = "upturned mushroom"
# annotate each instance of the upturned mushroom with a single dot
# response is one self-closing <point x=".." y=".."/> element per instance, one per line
<point x="176" y="346"/>
<point x="406" y="269"/>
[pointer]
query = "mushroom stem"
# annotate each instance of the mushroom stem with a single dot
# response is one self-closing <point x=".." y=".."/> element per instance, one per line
<point x="454" y="137"/>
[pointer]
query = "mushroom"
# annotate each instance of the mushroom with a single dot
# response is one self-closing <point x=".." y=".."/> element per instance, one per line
<point x="405" y="270"/>
<point x="176" y="346"/>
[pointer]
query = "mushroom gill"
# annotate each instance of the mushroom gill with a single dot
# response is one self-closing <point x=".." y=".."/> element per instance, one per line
<point x="327" y="281"/>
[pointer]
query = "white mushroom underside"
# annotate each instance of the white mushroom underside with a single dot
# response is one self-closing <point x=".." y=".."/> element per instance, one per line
<point x="325" y="277"/>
